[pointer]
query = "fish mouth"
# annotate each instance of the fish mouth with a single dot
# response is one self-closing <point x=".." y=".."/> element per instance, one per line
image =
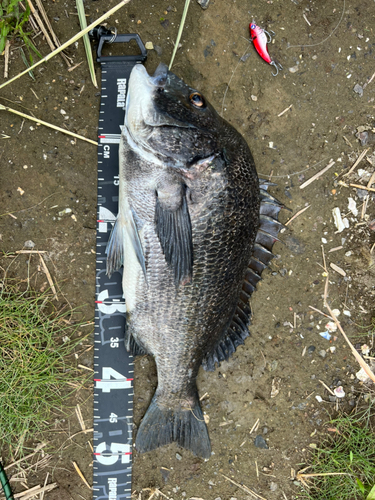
<point x="142" y="118"/>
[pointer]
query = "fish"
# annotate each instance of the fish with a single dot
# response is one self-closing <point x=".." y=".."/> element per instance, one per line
<point x="195" y="228"/>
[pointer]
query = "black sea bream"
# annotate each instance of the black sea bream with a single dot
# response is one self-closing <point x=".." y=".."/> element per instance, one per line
<point x="194" y="231"/>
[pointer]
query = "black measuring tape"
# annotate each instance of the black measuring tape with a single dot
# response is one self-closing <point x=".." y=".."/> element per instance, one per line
<point x="113" y="365"/>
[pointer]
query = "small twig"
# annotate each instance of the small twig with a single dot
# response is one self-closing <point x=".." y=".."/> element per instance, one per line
<point x="45" y="483"/>
<point x="180" y="30"/>
<point x="86" y="368"/>
<point x="326" y="386"/>
<point x="305" y="18"/>
<point x="49" y="279"/>
<point x="41" y="25"/>
<point x="81" y="475"/>
<point x="54" y="127"/>
<point x="296" y="215"/>
<point x="347" y="141"/>
<point x="320" y="312"/>
<point x="363" y="187"/>
<point x="37" y="450"/>
<point x="49" y="26"/>
<point x="254" y="426"/>
<point x="285" y="110"/>
<point x="243" y="488"/>
<point x="36" y="490"/>
<point x="316" y="176"/>
<point x="31" y="251"/>
<point x="6" y="58"/>
<point x="359" y="159"/>
<point x="337" y="269"/>
<point x="80" y="418"/>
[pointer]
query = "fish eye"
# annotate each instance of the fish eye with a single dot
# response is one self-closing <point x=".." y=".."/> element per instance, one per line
<point x="197" y="99"/>
<point x="253" y="26"/>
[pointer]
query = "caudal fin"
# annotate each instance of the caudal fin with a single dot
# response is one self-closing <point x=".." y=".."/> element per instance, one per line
<point x="162" y="425"/>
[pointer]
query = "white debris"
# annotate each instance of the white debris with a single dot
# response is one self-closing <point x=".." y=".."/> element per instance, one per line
<point x="352" y="206"/>
<point x="339" y="392"/>
<point x="347" y="313"/>
<point x="336" y="312"/>
<point x="149" y="45"/>
<point x="332" y="349"/>
<point x="324" y="240"/>
<point x="331" y="326"/>
<point x="63" y="112"/>
<point x="348" y="254"/>
<point x="29" y="244"/>
<point x="254" y="98"/>
<point x="293" y="69"/>
<point x="318" y="398"/>
<point x="270" y="145"/>
<point x="363" y="174"/>
<point x="362" y="375"/>
<point x="365" y="349"/>
<point x="340" y="223"/>
<point x="65" y="211"/>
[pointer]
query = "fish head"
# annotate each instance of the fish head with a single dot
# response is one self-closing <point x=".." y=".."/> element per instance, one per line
<point x="169" y="120"/>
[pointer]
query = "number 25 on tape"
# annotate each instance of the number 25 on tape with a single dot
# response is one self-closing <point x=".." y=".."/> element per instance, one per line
<point x="112" y="379"/>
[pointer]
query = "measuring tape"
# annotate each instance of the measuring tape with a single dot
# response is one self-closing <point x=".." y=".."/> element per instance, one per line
<point x="113" y="365"/>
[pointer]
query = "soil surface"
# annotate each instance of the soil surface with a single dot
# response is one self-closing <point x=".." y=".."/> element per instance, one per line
<point x="44" y="172"/>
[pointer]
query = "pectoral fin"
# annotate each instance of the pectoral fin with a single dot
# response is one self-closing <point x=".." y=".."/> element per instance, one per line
<point x="173" y="227"/>
<point x="124" y="231"/>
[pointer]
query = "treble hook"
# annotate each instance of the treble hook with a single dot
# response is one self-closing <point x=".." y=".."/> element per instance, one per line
<point x="277" y="66"/>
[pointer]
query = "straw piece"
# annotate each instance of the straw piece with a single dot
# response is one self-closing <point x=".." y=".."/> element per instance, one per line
<point x="37" y="449"/>
<point x="297" y="214"/>
<point x="54" y="127"/>
<point x="41" y="25"/>
<point x="314" y="177"/>
<point x="182" y="24"/>
<point x="243" y="488"/>
<point x="80" y="418"/>
<point x="47" y="273"/>
<point x="338" y="269"/>
<point x="359" y="159"/>
<point x="6" y="58"/>
<point x="49" y="26"/>
<point x="367" y="188"/>
<point x="81" y="475"/>
<point x="69" y="42"/>
<point x="285" y="110"/>
<point x="36" y="490"/>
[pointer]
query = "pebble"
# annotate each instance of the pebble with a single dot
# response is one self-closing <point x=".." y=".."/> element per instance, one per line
<point x="358" y="89"/>
<point x="283" y="271"/>
<point x="311" y="349"/>
<point x="293" y="69"/>
<point x="178" y="456"/>
<point x="273" y="486"/>
<point x="149" y="46"/>
<point x="29" y="244"/>
<point x="322" y="353"/>
<point x="203" y="3"/>
<point x="260" y="442"/>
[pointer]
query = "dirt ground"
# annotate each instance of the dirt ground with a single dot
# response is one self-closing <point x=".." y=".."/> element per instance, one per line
<point x="285" y="349"/>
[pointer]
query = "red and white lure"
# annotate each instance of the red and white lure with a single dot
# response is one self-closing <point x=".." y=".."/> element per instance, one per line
<point x="260" y="39"/>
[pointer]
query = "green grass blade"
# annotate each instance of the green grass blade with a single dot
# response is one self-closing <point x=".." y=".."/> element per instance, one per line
<point x="182" y="24"/>
<point x="371" y="495"/>
<point x="86" y="41"/>
<point x="31" y="74"/>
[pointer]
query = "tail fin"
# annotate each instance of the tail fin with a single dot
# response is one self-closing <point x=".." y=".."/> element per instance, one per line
<point x="162" y="425"/>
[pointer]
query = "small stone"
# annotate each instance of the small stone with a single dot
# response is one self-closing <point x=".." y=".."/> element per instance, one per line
<point x="322" y="353"/>
<point x="149" y="46"/>
<point x="29" y="244"/>
<point x="203" y="3"/>
<point x="178" y="456"/>
<point x="254" y="98"/>
<point x="311" y="349"/>
<point x="283" y="271"/>
<point x="273" y="486"/>
<point x="294" y="69"/>
<point x="265" y="430"/>
<point x="358" y="89"/>
<point x="260" y="442"/>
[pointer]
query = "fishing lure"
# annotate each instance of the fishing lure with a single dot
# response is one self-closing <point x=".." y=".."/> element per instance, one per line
<point x="260" y="39"/>
<point x="4" y="481"/>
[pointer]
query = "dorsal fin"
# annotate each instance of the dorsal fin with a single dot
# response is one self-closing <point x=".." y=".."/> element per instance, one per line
<point x="268" y="231"/>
